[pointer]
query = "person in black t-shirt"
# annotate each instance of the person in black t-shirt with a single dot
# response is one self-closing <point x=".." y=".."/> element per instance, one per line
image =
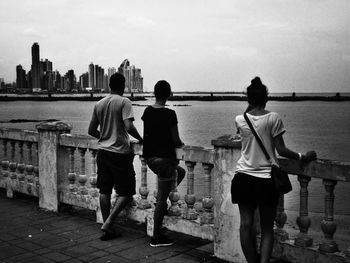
<point x="161" y="137"/>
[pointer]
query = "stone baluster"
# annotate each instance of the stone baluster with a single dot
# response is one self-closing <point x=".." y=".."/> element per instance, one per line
<point x="174" y="198"/>
<point x="303" y="220"/>
<point x="143" y="190"/>
<point x="82" y="176"/>
<point x="5" y="163"/>
<point x="72" y="174"/>
<point x="21" y="165"/>
<point x="13" y="164"/>
<point x="29" y="167"/>
<point x="36" y="168"/>
<point x="281" y="219"/>
<point x="190" y="198"/>
<point x="93" y="176"/>
<point x="207" y="201"/>
<point x="328" y="225"/>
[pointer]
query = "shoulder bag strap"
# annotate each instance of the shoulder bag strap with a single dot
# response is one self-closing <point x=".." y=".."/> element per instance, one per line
<point x="257" y="137"/>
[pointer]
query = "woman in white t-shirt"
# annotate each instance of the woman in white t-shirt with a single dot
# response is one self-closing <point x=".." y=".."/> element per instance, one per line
<point x="252" y="185"/>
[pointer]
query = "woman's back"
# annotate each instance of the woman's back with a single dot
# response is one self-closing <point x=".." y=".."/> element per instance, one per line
<point x="253" y="160"/>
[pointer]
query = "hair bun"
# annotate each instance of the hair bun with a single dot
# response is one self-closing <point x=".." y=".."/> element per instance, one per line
<point x="256" y="81"/>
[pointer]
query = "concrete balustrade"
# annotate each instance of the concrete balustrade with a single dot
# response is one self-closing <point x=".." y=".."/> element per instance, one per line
<point x="60" y="167"/>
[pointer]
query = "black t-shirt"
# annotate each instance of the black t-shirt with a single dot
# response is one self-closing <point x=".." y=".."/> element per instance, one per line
<point x="157" y="141"/>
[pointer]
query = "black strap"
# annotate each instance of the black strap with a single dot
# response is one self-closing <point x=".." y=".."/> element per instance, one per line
<point x="256" y="136"/>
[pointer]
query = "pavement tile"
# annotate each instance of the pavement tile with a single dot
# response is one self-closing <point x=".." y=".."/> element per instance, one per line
<point x="29" y="246"/>
<point x="9" y="251"/>
<point x="92" y="256"/>
<point x="7" y="237"/>
<point x="62" y="246"/>
<point x="74" y="260"/>
<point x="115" y="247"/>
<point x="78" y="251"/>
<point x="57" y="257"/>
<point x="20" y="257"/>
<point x="49" y="241"/>
<point x="111" y="259"/>
<point x="89" y="238"/>
<point x="36" y="259"/>
<point x="141" y="251"/>
<point x="43" y="251"/>
<point x="181" y="258"/>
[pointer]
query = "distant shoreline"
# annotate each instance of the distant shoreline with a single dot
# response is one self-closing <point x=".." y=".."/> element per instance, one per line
<point x="204" y="97"/>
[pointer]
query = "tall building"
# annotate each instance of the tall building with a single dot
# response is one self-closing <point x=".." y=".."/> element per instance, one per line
<point x="20" y="78"/>
<point x="57" y="81"/>
<point x="133" y="78"/>
<point x="35" y="69"/>
<point x="105" y="83"/>
<point x="92" y="76"/>
<point x="84" y="80"/>
<point x="2" y="84"/>
<point x="70" y="80"/>
<point x="111" y="71"/>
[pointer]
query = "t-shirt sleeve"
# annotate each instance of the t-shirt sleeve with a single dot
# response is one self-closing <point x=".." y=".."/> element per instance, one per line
<point x="277" y="127"/>
<point x="173" y="118"/>
<point x="127" y="112"/>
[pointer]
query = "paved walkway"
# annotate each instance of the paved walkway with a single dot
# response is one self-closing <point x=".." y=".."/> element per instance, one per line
<point x="28" y="234"/>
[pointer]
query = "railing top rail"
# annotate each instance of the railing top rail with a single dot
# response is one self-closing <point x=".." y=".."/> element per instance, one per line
<point x="18" y="135"/>
<point x="186" y="153"/>
<point x="323" y="169"/>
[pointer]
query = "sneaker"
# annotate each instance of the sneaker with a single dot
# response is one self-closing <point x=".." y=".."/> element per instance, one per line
<point x="161" y="241"/>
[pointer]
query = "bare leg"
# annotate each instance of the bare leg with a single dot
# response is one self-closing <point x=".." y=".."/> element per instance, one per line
<point x="119" y="205"/>
<point x="247" y="234"/>
<point x="267" y="217"/>
<point x="105" y="204"/>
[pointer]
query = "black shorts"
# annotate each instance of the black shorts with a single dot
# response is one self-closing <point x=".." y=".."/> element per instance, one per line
<point x="247" y="189"/>
<point x="115" y="170"/>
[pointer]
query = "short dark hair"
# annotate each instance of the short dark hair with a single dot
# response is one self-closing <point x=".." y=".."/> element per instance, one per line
<point x="162" y="90"/>
<point x="117" y="82"/>
<point x="257" y="93"/>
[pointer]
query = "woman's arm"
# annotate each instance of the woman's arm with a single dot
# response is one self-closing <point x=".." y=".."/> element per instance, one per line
<point x="287" y="153"/>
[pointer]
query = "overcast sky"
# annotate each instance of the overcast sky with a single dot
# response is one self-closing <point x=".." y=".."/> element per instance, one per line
<point x="197" y="45"/>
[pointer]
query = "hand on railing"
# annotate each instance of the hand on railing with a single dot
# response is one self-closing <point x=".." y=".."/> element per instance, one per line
<point x="308" y="157"/>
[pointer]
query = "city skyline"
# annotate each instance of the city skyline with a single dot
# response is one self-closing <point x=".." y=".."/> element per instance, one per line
<point x="42" y="77"/>
<point x="296" y="46"/>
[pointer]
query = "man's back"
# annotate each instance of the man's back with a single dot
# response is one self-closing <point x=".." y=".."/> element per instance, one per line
<point x="111" y="112"/>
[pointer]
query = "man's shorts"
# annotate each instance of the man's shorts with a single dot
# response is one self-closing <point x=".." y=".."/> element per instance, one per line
<point x="115" y="170"/>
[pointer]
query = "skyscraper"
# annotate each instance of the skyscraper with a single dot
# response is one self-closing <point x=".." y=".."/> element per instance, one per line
<point x="35" y="69"/>
<point x="133" y="78"/>
<point x="20" y="78"/>
<point x="91" y="76"/>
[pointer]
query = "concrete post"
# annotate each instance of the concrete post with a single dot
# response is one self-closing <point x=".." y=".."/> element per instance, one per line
<point x="227" y="244"/>
<point x="49" y="160"/>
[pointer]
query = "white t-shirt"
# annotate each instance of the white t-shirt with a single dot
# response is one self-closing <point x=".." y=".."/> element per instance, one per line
<point x="253" y="160"/>
<point x="111" y="111"/>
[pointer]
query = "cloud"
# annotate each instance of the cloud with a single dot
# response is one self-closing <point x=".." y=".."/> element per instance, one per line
<point x="346" y="57"/>
<point x="236" y="51"/>
<point x="140" y="22"/>
<point x="31" y="32"/>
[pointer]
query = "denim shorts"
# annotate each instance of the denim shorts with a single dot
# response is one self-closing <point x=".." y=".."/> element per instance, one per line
<point x="115" y="170"/>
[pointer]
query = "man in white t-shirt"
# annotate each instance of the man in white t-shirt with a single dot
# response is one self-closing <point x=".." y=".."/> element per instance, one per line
<point x="114" y="116"/>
